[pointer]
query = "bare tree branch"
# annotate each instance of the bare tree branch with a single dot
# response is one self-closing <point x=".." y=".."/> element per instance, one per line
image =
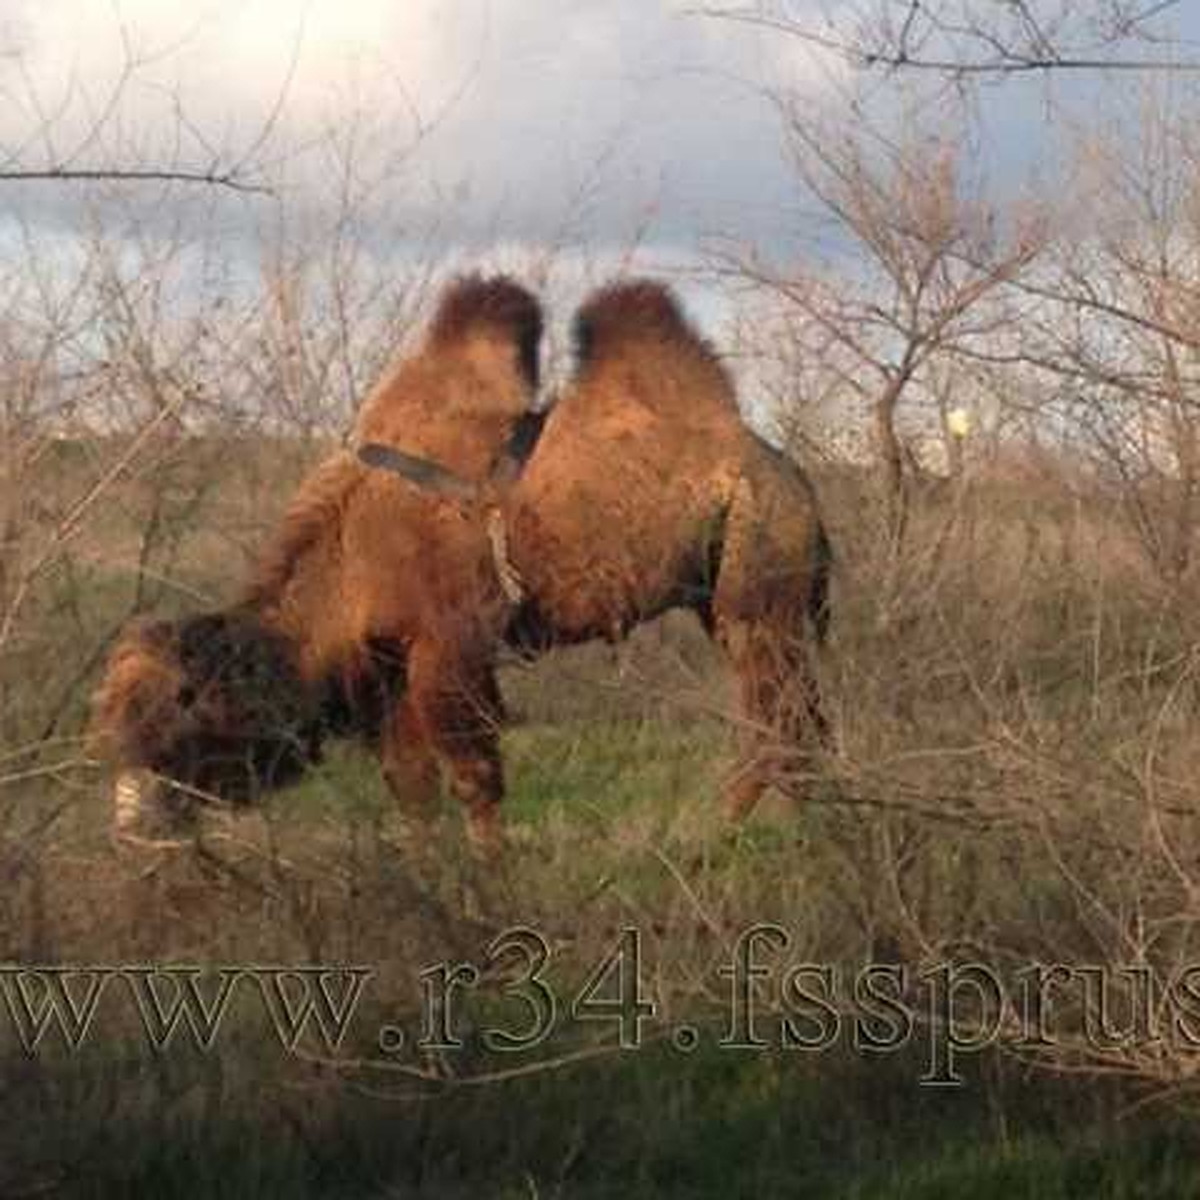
<point x="225" y="179"/>
<point x="980" y="39"/>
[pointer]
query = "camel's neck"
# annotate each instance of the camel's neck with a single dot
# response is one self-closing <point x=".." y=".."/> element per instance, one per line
<point x="302" y="557"/>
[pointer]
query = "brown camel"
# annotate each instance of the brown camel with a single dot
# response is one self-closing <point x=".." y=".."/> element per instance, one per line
<point x="373" y="612"/>
<point x="647" y="492"/>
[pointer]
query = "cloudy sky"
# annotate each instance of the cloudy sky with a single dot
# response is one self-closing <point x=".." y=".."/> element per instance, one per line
<point x="590" y="123"/>
<point x="505" y="118"/>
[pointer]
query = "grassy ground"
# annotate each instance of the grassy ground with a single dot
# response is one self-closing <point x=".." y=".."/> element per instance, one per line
<point x="645" y="1125"/>
<point x="1012" y="782"/>
<point x="609" y="827"/>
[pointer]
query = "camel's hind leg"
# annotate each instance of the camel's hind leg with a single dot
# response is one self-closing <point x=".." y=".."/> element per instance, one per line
<point x="768" y="611"/>
<point x="780" y="708"/>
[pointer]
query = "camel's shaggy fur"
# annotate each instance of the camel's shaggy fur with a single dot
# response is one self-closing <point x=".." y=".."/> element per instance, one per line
<point x="374" y="609"/>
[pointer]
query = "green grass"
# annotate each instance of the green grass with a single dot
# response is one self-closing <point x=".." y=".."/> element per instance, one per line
<point x="648" y="1123"/>
<point x="603" y="769"/>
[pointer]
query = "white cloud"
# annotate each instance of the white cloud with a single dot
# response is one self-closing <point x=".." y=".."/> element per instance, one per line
<point x="548" y="117"/>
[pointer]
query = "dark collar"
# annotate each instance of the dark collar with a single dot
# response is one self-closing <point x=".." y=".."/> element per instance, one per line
<point x="428" y="475"/>
<point x="431" y="476"/>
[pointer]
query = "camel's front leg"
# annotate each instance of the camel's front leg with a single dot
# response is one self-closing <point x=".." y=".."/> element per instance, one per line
<point x="456" y="707"/>
<point x="410" y="765"/>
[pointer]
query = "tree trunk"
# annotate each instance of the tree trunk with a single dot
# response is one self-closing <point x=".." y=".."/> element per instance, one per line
<point x="891" y="459"/>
